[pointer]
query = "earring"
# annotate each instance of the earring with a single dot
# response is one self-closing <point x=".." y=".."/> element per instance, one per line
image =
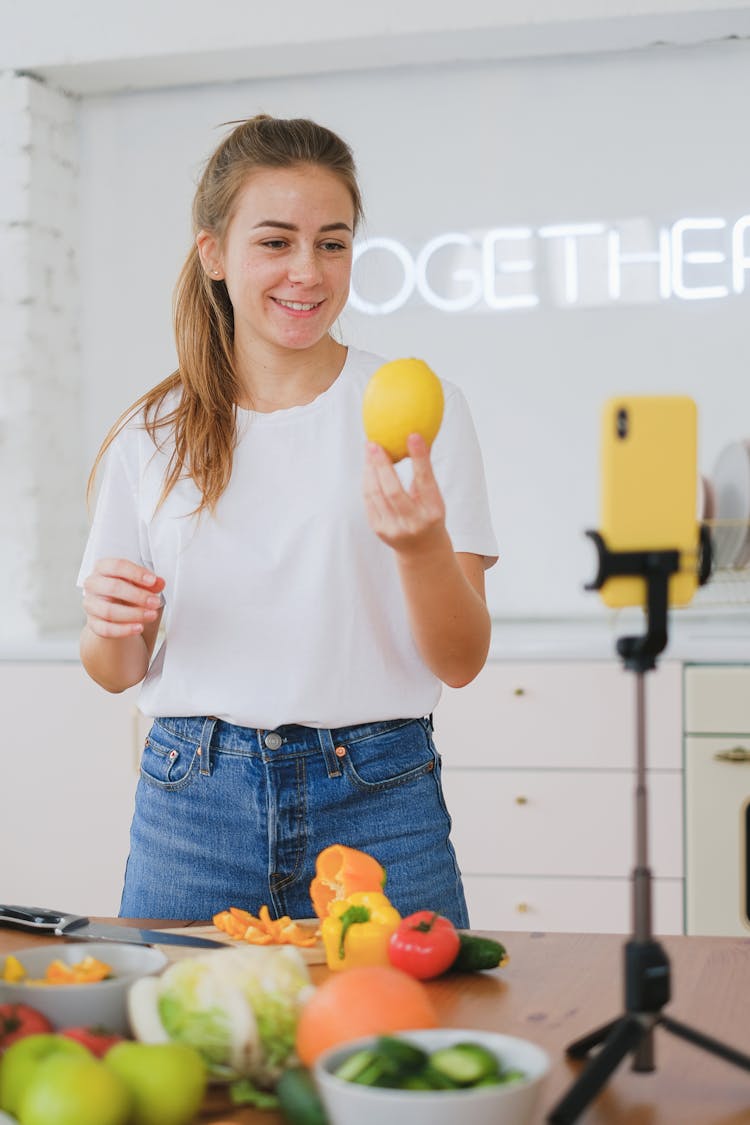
<point x="214" y="272"/>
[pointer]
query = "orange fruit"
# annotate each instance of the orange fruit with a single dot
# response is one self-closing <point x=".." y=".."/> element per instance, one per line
<point x="403" y="397"/>
<point x="370" y="1000"/>
<point x="339" y="872"/>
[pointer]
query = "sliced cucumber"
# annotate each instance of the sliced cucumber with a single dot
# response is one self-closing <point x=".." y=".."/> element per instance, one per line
<point x="464" y="1063"/>
<point x="403" y="1056"/>
<point x="396" y="1063"/>
<point x="353" y="1067"/>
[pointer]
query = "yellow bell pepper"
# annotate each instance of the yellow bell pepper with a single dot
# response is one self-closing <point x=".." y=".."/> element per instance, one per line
<point x="357" y="929"/>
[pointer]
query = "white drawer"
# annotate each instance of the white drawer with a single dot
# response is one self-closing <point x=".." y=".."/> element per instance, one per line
<point x="717" y="831"/>
<point x="573" y="714"/>
<point x="70" y="779"/>
<point x="717" y="699"/>
<point x="563" y="822"/>
<point x="567" y="905"/>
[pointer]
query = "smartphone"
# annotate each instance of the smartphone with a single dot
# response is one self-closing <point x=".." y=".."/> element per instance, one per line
<point x="649" y="466"/>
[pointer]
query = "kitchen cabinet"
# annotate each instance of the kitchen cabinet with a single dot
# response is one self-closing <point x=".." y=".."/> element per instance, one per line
<point x="717" y="800"/>
<point x="538" y="766"/>
<point x="539" y="776"/>
<point x="69" y="771"/>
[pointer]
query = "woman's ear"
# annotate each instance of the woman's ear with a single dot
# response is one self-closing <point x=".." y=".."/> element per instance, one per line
<point x="210" y="256"/>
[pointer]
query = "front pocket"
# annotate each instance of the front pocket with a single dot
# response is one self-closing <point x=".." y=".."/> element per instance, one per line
<point x="168" y="762"/>
<point x="400" y="753"/>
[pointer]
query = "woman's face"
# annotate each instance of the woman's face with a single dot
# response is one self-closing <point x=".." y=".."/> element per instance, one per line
<point x="287" y="256"/>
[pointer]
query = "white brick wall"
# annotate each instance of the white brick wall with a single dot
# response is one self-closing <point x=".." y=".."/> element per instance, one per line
<point x="41" y="509"/>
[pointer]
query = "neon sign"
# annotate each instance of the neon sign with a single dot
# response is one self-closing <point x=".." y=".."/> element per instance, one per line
<point x="568" y="265"/>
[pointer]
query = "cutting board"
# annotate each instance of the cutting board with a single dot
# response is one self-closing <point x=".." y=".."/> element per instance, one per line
<point x="312" y="954"/>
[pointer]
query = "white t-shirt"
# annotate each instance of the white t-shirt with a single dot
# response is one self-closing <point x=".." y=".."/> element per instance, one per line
<point x="283" y="606"/>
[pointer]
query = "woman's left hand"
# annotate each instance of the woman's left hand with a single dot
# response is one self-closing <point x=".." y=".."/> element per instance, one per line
<point x="408" y="521"/>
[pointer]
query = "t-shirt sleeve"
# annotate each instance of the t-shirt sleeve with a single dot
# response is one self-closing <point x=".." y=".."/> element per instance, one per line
<point x="117" y="531"/>
<point x="459" y="469"/>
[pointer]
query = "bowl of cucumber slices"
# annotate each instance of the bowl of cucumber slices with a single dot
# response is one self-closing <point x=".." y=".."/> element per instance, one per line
<point x="435" y="1077"/>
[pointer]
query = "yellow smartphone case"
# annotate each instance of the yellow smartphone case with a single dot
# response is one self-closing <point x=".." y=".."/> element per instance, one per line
<point x="649" y="489"/>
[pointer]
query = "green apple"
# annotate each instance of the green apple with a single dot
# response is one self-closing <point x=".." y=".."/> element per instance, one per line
<point x="67" y="1090"/>
<point x="19" y="1061"/>
<point x="167" y="1081"/>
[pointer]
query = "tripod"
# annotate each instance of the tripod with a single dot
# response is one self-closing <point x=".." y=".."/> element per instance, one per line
<point x="646" y="965"/>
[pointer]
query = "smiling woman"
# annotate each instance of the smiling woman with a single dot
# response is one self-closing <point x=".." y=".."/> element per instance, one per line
<point x="310" y="599"/>
<point x="285" y="260"/>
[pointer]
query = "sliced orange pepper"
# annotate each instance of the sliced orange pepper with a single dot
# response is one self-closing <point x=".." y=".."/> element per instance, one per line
<point x="222" y="920"/>
<point x="87" y="971"/>
<point x="293" y="934"/>
<point x="263" y="930"/>
<point x="91" y="969"/>
<point x="341" y="871"/>
<point x="243" y="916"/>
<point x="254" y="936"/>
<point x="268" y="924"/>
<point x="58" y="972"/>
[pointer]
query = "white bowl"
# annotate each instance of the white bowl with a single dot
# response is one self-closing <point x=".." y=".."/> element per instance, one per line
<point x="511" y="1104"/>
<point x="99" y="1003"/>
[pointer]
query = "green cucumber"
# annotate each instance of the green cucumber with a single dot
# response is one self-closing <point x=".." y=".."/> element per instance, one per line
<point x="465" y="1063"/>
<point x="355" y="1066"/>
<point x="477" y="953"/>
<point x="385" y="1064"/>
<point x="403" y="1057"/>
<point x="298" y="1096"/>
<point x="398" y="1064"/>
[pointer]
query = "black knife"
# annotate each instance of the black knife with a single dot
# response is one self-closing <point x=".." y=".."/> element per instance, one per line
<point x="55" y="923"/>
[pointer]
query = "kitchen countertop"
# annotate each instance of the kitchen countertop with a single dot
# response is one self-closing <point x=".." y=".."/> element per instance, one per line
<point x="559" y="987"/>
<point x="701" y="634"/>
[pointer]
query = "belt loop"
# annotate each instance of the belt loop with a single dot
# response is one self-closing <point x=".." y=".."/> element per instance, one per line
<point x="333" y="766"/>
<point x="205" y="745"/>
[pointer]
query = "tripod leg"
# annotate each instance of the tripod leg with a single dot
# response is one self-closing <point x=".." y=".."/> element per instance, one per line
<point x="581" y="1047"/>
<point x="625" y="1036"/>
<point x="713" y="1045"/>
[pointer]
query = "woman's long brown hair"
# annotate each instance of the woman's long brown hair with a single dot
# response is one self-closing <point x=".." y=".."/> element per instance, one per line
<point x="203" y="421"/>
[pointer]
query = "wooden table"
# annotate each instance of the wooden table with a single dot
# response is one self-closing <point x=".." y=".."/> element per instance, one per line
<point x="559" y="987"/>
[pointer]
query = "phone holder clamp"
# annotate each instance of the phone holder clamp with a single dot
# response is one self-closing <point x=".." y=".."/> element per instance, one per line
<point x="655" y="567"/>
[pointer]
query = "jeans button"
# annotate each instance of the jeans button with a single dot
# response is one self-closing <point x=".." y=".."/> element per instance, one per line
<point x="273" y="740"/>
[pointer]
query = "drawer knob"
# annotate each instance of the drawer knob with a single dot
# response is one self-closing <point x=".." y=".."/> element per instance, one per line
<point x="522" y="907"/>
<point x="519" y="691"/>
<point x="521" y="800"/>
<point x="736" y="754"/>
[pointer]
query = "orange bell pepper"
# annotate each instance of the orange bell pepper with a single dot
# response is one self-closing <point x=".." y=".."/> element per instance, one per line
<point x="341" y="871"/>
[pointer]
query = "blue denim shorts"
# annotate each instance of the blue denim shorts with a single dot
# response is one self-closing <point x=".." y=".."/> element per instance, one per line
<point x="233" y="816"/>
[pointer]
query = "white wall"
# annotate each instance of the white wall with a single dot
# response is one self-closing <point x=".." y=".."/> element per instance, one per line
<point x="81" y="46"/>
<point x="507" y="128"/>
<point x="41" y="518"/>
<point x="654" y="135"/>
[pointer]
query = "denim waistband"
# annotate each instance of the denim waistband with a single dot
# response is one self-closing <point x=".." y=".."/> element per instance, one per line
<point x="204" y="730"/>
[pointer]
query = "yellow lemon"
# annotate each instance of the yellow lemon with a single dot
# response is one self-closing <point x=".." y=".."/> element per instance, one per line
<point x="403" y="397"/>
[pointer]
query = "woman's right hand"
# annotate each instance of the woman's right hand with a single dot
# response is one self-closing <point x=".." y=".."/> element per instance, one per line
<point x="121" y="598"/>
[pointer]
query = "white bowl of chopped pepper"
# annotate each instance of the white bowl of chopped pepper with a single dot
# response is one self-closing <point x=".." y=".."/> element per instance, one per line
<point x="78" y="983"/>
<point x="434" y="1077"/>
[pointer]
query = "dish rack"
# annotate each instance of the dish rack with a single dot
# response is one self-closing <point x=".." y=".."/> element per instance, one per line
<point x="729" y="584"/>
